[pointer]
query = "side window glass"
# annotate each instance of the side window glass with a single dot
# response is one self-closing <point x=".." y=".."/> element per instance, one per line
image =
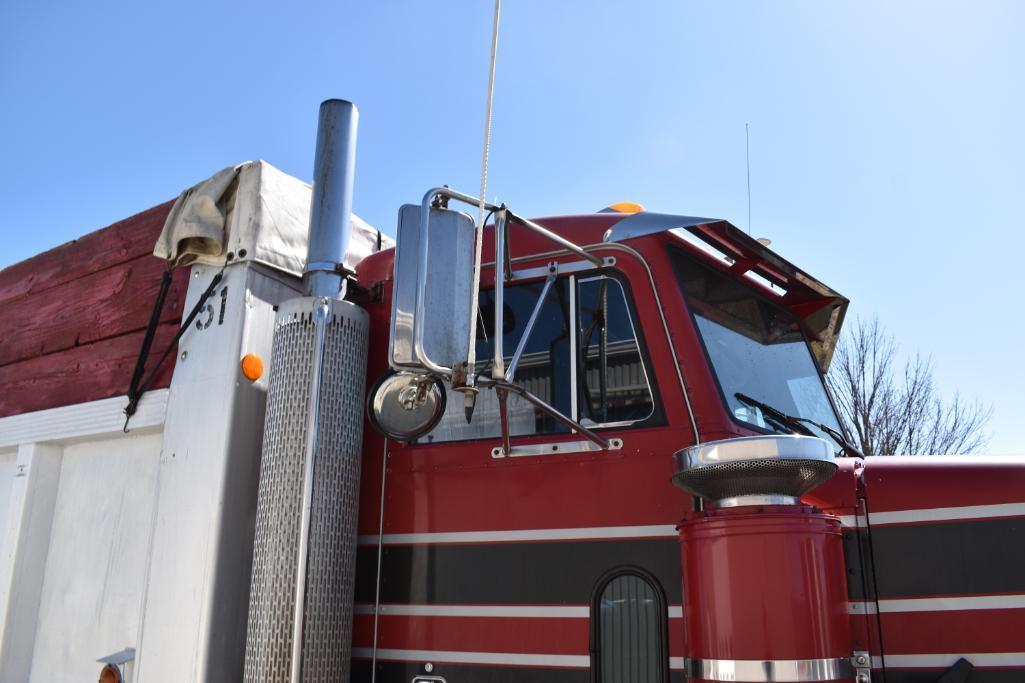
<point x="604" y="385"/>
<point x="629" y="633"/>
<point x="613" y="385"/>
<point x="544" y="369"/>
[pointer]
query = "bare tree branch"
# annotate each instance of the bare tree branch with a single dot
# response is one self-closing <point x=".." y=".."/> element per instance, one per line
<point x="898" y="411"/>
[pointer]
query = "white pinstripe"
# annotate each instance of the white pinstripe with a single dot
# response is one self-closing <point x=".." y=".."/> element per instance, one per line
<point x="496" y="611"/>
<point x="520" y="535"/>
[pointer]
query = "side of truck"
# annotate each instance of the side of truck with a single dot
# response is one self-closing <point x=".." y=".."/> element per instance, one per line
<point x="322" y="482"/>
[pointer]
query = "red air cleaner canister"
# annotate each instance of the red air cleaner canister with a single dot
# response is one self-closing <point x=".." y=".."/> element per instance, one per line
<point x="764" y="592"/>
<point x="764" y="586"/>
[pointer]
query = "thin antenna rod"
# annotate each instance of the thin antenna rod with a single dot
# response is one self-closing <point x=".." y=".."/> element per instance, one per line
<point x="487" y="113"/>
<point x="747" y="144"/>
<point x="468" y="397"/>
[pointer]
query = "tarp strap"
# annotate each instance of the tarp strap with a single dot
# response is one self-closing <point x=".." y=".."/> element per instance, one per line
<point x="138" y="387"/>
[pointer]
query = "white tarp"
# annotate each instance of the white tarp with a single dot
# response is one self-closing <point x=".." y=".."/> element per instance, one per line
<point x="255" y="212"/>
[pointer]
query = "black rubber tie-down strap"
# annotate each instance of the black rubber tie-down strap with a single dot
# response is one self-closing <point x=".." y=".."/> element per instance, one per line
<point x="138" y="387"/>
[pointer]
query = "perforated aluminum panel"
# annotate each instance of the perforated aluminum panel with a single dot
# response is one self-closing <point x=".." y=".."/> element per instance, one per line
<point x="332" y="542"/>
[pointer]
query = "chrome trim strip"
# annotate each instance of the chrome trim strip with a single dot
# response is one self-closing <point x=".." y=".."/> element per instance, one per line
<point x="380" y="553"/>
<point x="853" y="521"/>
<point x="466" y="610"/>
<point x="574" y="410"/>
<point x="947" y="514"/>
<point x="955" y="604"/>
<point x="554" y="448"/>
<point x="767" y="499"/>
<point x="938" y="604"/>
<point x="564" y="269"/>
<point x="522" y="535"/>
<point x="495" y="658"/>
<point x="321" y="315"/>
<point x="492" y="611"/>
<point x="861" y="607"/>
<point x="498" y="658"/>
<point x="498" y="334"/>
<point x="769" y="670"/>
<point x="942" y="661"/>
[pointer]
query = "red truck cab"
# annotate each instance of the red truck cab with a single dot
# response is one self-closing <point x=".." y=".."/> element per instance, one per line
<point x="533" y="566"/>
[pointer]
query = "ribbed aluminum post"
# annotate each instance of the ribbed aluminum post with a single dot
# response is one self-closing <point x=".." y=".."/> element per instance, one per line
<point x="305" y="549"/>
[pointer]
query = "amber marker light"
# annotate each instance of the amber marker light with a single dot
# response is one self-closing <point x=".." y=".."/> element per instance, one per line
<point x="252" y="367"/>
<point x="623" y="207"/>
<point x="111" y="674"/>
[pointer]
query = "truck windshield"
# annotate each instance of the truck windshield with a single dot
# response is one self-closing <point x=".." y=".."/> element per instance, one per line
<point x="756" y="348"/>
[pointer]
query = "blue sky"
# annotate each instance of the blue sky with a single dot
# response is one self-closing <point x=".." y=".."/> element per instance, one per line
<point x="886" y="137"/>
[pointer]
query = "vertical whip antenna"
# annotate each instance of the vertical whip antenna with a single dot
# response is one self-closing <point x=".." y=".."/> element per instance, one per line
<point x="487" y="114"/>
<point x="747" y="149"/>
<point x="479" y="241"/>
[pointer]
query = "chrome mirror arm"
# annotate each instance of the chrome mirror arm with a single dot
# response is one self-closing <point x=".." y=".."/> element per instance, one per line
<point x="562" y="242"/>
<point x="462" y="376"/>
<point x="501" y="385"/>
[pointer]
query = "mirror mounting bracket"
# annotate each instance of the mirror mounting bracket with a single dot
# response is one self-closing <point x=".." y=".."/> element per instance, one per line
<point x="460" y="371"/>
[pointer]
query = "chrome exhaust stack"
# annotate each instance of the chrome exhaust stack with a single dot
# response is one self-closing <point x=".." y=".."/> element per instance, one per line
<point x="334" y="169"/>
<point x="301" y="597"/>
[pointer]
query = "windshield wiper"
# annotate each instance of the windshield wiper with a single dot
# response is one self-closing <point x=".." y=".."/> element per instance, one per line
<point x="796" y="424"/>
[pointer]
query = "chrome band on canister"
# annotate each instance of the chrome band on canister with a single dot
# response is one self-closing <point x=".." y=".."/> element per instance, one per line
<point x="768" y="671"/>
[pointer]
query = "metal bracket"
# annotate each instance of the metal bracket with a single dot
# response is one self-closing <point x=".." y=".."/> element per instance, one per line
<point x="118" y="658"/>
<point x="553" y="274"/>
<point x="501" y="378"/>
<point x="555" y="448"/>
<point x="328" y="267"/>
<point x="564" y="269"/>
<point x="862" y="663"/>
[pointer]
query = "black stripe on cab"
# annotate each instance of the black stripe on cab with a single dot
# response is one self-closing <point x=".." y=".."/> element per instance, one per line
<point x="950" y="558"/>
<point x="551" y="573"/>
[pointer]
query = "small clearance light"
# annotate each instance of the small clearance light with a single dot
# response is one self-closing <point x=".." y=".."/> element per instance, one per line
<point x="111" y="674"/>
<point x="623" y="207"/>
<point x="252" y="367"/>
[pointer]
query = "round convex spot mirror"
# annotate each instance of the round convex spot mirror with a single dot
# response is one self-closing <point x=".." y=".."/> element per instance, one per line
<point x="403" y="406"/>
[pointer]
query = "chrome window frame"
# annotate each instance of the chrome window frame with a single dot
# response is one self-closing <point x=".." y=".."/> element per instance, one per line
<point x="630" y="310"/>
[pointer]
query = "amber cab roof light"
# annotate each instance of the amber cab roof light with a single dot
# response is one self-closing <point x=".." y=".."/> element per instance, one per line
<point x="623" y="207"/>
